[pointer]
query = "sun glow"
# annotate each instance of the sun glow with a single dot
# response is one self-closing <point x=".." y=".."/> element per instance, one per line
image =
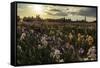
<point x="38" y="9"/>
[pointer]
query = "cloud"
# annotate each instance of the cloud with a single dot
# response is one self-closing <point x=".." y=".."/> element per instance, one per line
<point x="49" y="13"/>
<point x="55" y="10"/>
<point x="57" y="13"/>
<point x="88" y="12"/>
<point x="61" y="14"/>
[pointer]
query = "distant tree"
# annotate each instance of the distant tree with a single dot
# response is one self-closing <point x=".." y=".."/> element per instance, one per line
<point x="18" y="18"/>
<point x="38" y="17"/>
<point x="28" y="19"/>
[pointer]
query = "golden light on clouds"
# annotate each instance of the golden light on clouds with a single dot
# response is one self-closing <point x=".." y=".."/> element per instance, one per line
<point x="55" y="12"/>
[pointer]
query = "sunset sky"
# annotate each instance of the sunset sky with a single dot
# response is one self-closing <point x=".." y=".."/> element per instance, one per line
<point x="55" y="11"/>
